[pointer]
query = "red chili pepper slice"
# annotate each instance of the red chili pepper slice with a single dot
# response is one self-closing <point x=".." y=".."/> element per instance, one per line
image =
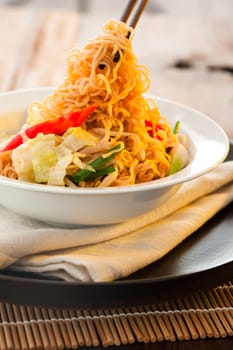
<point x="152" y="131"/>
<point x="13" y="143"/>
<point x="150" y="128"/>
<point x="55" y="126"/>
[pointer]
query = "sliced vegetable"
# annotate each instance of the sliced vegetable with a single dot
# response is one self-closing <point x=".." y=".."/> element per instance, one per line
<point x="43" y="156"/>
<point x="55" y="126"/>
<point x="152" y="130"/>
<point x="22" y="163"/>
<point x="57" y="172"/>
<point x="13" y="143"/>
<point x="97" y="165"/>
<point x="176" y="127"/>
<point x="77" y="138"/>
<point x="179" y="159"/>
<point x="100" y="172"/>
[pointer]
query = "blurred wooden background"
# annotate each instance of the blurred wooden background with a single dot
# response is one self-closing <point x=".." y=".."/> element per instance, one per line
<point x="203" y="8"/>
<point x="187" y="45"/>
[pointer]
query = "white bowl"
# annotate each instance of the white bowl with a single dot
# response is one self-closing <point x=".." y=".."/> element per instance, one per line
<point x="208" y="147"/>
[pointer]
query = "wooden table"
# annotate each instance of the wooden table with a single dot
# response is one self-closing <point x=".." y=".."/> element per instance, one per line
<point x="190" y="60"/>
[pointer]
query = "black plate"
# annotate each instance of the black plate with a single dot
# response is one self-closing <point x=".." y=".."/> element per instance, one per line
<point x="203" y="261"/>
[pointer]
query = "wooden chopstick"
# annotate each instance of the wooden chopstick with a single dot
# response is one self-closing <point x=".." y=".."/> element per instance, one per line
<point x="128" y="10"/>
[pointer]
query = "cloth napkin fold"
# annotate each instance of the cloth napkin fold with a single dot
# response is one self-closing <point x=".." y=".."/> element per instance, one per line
<point x="106" y="253"/>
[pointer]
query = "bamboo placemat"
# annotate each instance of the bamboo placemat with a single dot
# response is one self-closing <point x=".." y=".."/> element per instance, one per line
<point x="207" y="314"/>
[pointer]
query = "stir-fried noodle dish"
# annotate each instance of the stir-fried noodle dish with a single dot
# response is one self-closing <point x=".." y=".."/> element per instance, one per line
<point x="97" y="128"/>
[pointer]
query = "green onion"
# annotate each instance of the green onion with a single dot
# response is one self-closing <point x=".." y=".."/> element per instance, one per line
<point x="176" y="127"/>
<point x="97" y="165"/>
<point x="100" y="172"/>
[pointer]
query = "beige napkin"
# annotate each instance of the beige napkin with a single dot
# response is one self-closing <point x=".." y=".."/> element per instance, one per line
<point x="106" y="253"/>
